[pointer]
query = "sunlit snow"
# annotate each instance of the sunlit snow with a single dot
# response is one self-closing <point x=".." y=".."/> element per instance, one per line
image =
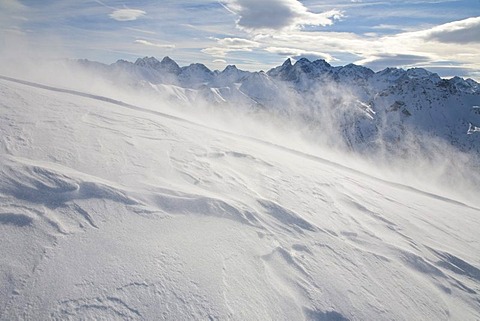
<point x="114" y="211"/>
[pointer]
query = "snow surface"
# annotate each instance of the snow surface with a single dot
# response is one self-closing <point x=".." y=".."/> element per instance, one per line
<point x="110" y="211"/>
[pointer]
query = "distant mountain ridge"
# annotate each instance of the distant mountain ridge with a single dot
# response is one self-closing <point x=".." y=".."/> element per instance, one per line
<point x="366" y="109"/>
<point x="302" y="68"/>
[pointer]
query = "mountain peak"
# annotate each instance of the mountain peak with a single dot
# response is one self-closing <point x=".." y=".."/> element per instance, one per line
<point x="122" y="61"/>
<point x="353" y="72"/>
<point x="198" y="67"/>
<point x="169" y="65"/>
<point x="230" y="68"/>
<point x="302" y="61"/>
<point x="321" y="63"/>
<point x="147" y="62"/>
<point x="195" y="75"/>
<point x="418" y="73"/>
<point x="168" y="60"/>
<point x="287" y="63"/>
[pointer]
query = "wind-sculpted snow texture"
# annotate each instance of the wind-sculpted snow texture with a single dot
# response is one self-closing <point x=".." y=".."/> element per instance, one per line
<point x="109" y="211"/>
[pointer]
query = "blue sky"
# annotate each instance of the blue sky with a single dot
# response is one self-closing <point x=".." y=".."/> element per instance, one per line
<point x="441" y="35"/>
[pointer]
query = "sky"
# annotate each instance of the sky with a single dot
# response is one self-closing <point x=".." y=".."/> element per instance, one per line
<point x="440" y="35"/>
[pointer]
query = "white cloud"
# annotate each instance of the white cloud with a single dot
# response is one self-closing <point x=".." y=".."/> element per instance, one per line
<point x="216" y="51"/>
<point x="422" y="48"/>
<point x="297" y="53"/>
<point x="152" y="44"/>
<point x="237" y="43"/>
<point x="127" y="14"/>
<point x="141" y="30"/>
<point x="383" y="60"/>
<point x="460" y="32"/>
<point x="391" y="27"/>
<point x="445" y="48"/>
<point x="258" y="16"/>
<point x="323" y="43"/>
<point x="226" y="45"/>
<point x="222" y="52"/>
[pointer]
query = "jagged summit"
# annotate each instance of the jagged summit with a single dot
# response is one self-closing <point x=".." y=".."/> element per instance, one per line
<point x="230" y="75"/>
<point x="168" y="60"/>
<point x="196" y="75"/>
<point x="321" y="63"/>
<point x="166" y="65"/>
<point x="418" y="73"/>
<point x="392" y="73"/>
<point x="287" y="62"/>
<point x="458" y="84"/>
<point x="170" y="65"/>
<point x="122" y="61"/>
<point x="230" y="68"/>
<point x="151" y="62"/>
<point x="303" y="61"/>
<point x="302" y="70"/>
<point x="197" y="67"/>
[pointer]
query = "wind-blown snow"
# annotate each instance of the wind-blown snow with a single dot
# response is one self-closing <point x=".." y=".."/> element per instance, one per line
<point x="109" y="211"/>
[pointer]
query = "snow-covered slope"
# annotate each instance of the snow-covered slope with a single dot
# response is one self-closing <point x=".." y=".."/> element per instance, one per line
<point x="110" y="211"/>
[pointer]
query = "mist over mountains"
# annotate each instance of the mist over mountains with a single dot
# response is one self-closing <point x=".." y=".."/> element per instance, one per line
<point x="355" y="108"/>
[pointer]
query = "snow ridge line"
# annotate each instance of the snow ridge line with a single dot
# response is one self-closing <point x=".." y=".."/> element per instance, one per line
<point x="236" y="135"/>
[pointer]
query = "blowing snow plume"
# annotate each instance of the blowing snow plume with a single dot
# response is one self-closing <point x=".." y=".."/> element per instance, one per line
<point x="409" y="126"/>
<point x="146" y="190"/>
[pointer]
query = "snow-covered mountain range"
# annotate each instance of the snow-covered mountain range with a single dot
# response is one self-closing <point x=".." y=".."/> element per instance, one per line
<point x="362" y="110"/>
